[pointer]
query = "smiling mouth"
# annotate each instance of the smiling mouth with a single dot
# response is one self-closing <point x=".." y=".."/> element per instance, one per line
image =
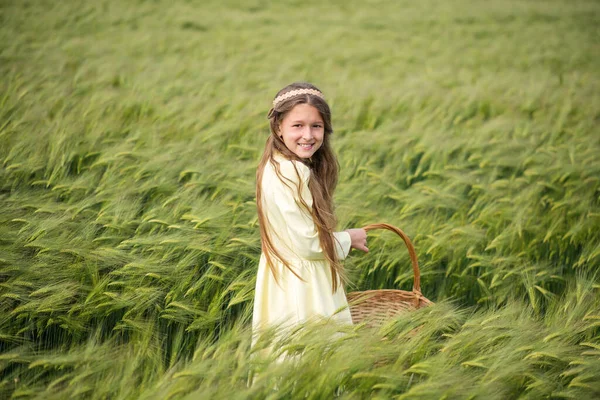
<point x="306" y="146"/>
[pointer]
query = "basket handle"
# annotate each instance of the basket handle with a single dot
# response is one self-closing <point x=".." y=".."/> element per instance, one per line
<point x="409" y="245"/>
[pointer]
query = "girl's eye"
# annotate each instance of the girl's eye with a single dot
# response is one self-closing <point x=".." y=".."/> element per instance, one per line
<point x="296" y="125"/>
<point x="318" y="126"/>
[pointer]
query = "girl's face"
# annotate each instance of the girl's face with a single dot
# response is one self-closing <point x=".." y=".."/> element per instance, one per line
<point x="302" y="130"/>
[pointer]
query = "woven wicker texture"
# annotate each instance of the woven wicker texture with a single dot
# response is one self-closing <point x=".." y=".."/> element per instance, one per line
<point x="374" y="307"/>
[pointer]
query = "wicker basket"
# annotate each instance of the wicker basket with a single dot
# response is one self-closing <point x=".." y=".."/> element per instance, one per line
<point x="376" y="306"/>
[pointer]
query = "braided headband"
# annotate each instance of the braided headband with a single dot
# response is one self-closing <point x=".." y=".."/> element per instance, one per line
<point x="296" y="92"/>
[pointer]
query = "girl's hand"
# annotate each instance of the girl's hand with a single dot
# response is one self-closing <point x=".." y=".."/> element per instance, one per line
<point x="358" y="238"/>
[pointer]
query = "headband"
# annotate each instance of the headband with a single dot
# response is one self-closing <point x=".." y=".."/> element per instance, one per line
<point x="296" y="92"/>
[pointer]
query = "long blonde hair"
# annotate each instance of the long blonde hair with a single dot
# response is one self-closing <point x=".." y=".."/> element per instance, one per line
<point x="324" y="169"/>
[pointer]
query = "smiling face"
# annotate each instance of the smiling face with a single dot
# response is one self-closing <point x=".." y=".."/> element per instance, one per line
<point x="302" y="130"/>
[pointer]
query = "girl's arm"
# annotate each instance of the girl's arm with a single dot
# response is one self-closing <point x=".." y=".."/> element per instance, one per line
<point x="299" y="223"/>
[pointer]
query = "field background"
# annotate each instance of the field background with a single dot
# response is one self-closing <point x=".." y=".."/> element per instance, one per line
<point x="129" y="136"/>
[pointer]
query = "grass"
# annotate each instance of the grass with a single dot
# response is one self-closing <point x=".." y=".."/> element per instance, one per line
<point x="129" y="137"/>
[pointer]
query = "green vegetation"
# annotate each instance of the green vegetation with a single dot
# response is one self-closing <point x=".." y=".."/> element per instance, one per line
<point x="129" y="136"/>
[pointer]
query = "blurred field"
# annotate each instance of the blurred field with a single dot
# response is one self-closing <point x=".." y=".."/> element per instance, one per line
<point x="129" y="136"/>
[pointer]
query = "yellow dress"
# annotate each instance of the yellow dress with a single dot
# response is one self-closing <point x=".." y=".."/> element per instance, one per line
<point x="294" y="234"/>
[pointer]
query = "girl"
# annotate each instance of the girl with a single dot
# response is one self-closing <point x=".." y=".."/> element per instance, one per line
<point x="300" y="275"/>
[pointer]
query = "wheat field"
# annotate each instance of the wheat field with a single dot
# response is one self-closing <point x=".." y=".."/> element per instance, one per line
<point x="130" y="133"/>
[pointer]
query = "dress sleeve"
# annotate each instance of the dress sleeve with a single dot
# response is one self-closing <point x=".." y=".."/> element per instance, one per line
<point x="299" y="223"/>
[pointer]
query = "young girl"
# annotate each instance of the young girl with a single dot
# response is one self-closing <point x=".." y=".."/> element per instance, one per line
<point x="300" y="275"/>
